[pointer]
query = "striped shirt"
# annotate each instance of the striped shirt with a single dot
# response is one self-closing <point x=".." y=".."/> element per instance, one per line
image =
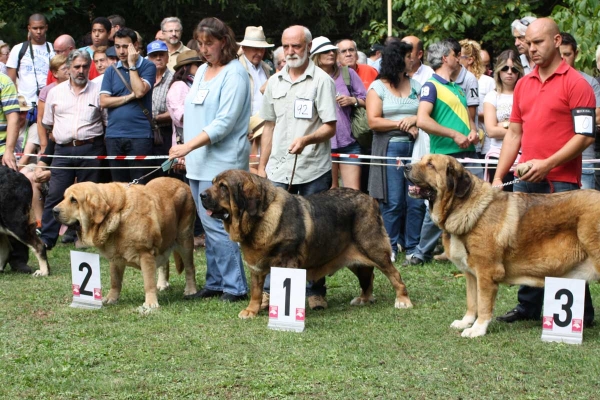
<point x="159" y="96"/>
<point x="9" y="102"/>
<point x="74" y="116"/>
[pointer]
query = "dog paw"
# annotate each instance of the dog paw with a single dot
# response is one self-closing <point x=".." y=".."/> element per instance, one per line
<point x="403" y="303"/>
<point x="246" y="314"/>
<point x="145" y="310"/>
<point x="189" y="292"/>
<point x="476" y="330"/>
<point x="162" y="286"/>
<point x="462" y="323"/>
<point x="361" y="301"/>
<point x="39" y="272"/>
<point x="109" y="300"/>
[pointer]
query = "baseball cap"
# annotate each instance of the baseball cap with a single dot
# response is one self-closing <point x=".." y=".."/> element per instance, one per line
<point x="157" y="45"/>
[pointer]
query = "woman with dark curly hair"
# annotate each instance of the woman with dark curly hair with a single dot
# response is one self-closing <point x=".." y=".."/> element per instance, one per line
<point x="218" y="105"/>
<point x="392" y="103"/>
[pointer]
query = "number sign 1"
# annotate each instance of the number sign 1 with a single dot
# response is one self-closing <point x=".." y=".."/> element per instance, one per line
<point x="563" y="310"/>
<point x="287" y="302"/>
<point x="85" y="269"/>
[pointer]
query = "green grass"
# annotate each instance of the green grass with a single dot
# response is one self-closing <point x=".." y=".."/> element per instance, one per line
<point x="200" y="349"/>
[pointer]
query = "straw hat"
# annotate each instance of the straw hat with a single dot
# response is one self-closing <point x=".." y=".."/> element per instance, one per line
<point x="255" y="37"/>
<point x="23" y="106"/>
<point x="256" y="126"/>
<point x="187" y="57"/>
<point x="321" y="45"/>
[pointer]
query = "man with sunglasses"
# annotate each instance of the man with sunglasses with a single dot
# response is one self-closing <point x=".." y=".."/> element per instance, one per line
<point x="542" y="126"/>
<point x="518" y="28"/>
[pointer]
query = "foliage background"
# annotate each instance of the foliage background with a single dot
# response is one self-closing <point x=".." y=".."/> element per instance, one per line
<point x="487" y="21"/>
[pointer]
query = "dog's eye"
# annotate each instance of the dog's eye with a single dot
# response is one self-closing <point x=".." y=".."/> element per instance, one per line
<point x="222" y="186"/>
<point x="430" y="164"/>
<point x="73" y="200"/>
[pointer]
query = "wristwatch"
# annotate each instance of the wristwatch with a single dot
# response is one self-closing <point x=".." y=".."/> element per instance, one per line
<point x="356" y="104"/>
<point x="134" y="68"/>
<point x="505" y="124"/>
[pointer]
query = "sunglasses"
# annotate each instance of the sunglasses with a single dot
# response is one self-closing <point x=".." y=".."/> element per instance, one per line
<point x="524" y="22"/>
<point x="506" y="68"/>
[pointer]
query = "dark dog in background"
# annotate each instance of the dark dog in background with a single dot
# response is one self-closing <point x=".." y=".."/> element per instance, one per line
<point x="16" y="221"/>
<point x="321" y="233"/>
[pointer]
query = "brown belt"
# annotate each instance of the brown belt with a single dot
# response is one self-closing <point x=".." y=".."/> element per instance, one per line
<point x="76" y="143"/>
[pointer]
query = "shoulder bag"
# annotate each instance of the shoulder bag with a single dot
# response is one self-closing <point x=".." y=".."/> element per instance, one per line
<point x="358" y="119"/>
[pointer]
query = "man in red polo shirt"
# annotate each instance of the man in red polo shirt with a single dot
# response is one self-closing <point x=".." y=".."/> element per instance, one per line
<point x="541" y="124"/>
<point x="348" y="56"/>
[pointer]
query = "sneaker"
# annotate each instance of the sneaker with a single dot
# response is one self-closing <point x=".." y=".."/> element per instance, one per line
<point x="393" y="257"/>
<point x="203" y="294"/>
<point x="513" y="316"/>
<point x="264" y="304"/>
<point x="413" y="260"/>
<point x="317" y="302"/>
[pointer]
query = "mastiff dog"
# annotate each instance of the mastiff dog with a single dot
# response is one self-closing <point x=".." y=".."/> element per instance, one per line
<point x="321" y="233"/>
<point x="138" y="226"/>
<point x="500" y="237"/>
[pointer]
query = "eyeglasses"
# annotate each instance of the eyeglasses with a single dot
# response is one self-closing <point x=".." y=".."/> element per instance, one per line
<point x="4" y="54"/>
<point x="464" y="57"/>
<point x="172" y="31"/>
<point x="350" y="50"/>
<point x="506" y="68"/>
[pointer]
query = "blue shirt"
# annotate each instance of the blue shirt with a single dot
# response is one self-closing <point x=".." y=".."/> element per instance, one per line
<point x="224" y="115"/>
<point x="128" y="120"/>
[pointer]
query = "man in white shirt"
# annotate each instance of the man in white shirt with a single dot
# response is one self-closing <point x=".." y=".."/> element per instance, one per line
<point x="254" y="46"/>
<point x="30" y="61"/>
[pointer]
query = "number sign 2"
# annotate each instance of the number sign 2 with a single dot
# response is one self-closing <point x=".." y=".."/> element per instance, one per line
<point x="287" y="301"/>
<point x="85" y="271"/>
<point x="563" y="310"/>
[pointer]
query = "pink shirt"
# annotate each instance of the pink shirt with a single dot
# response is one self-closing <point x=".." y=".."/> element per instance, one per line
<point x="175" y="103"/>
<point x="74" y="116"/>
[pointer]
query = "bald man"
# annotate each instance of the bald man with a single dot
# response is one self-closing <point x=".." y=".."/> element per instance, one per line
<point x="541" y="125"/>
<point x="64" y="44"/>
<point x="419" y="71"/>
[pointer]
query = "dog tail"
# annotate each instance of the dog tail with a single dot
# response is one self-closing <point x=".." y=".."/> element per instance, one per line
<point x="178" y="262"/>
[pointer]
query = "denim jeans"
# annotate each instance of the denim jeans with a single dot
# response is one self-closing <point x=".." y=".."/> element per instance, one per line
<point x="430" y="233"/>
<point x="401" y="212"/>
<point x="588" y="177"/>
<point x="224" y="267"/>
<point x="531" y="299"/>
<point x="129" y="147"/>
<point x="321" y="184"/>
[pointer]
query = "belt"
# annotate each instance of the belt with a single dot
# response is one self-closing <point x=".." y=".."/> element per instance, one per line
<point x="76" y="143"/>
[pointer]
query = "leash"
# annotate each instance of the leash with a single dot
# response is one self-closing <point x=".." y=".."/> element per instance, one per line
<point x="293" y="172"/>
<point x="137" y="180"/>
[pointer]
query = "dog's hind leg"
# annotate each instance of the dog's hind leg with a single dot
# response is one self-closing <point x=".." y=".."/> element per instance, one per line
<point x="148" y="267"/>
<point x="4" y="251"/>
<point x="365" y="279"/>
<point x="184" y="261"/>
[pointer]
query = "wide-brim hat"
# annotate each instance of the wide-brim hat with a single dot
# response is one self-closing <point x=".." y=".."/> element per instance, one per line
<point x="256" y="126"/>
<point x="321" y="45"/>
<point x="187" y="57"/>
<point x="23" y="106"/>
<point x="255" y="37"/>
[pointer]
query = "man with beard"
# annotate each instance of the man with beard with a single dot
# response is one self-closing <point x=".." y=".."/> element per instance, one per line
<point x="299" y="108"/>
<point x="74" y="117"/>
<point x="171" y="34"/>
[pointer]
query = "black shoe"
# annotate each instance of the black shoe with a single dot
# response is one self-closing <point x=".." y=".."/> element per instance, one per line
<point x="588" y="324"/>
<point x="203" y="294"/>
<point x="513" y="316"/>
<point x="233" y="298"/>
<point x="21" y="268"/>
<point x="413" y="261"/>
<point x="67" y="238"/>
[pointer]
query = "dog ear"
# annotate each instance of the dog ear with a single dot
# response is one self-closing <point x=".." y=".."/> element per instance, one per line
<point x="97" y="207"/>
<point x="458" y="180"/>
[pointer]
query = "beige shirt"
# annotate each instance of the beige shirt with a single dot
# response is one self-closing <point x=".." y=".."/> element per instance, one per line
<point x="74" y="116"/>
<point x="279" y="101"/>
<point x="173" y="57"/>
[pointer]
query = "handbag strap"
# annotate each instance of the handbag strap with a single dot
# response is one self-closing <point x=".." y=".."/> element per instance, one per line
<point x="139" y="101"/>
<point x="347" y="79"/>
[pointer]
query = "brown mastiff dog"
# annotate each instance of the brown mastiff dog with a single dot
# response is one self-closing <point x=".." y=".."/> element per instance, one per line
<point x="137" y="226"/>
<point x="499" y="237"/>
<point x="321" y="233"/>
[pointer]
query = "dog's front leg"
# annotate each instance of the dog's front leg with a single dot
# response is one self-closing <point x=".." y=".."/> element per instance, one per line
<point x="256" y="290"/>
<point x="148" y="266"/>
<point x="116" y="282"/>
<point x="487" y="289"/>
<point x="471" y="314"/>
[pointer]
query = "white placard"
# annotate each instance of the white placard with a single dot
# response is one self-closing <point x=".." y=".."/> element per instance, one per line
<point x="584" y="124"/>
<point x="85" y="269"/>
<point x="287" y="305"/>
<point x="562" y="319"/>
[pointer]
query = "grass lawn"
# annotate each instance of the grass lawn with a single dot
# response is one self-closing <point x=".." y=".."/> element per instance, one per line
<point x="201" y="350"/>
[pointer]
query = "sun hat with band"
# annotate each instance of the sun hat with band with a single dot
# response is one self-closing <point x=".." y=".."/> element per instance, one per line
<point x="23" y="106"/>
<point x="188" y="57"/>
<point x="255" y="127"/>
<point x="321" y="45"/>
<point x="255" y="37"/>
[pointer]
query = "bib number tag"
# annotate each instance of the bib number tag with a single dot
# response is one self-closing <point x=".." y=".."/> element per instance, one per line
<point x="200" y="96"/>
<point x="303" y="109"/>
<point x="288" y="299"/>
<point x="563" y="310"/>
<point x="85" y="271"/>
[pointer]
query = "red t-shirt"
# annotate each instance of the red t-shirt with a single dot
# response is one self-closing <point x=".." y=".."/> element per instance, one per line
<point x="544" y="110"/>
<point x="367" y="74"/>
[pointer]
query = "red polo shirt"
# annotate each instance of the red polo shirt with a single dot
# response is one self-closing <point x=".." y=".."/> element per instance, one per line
<point x="366" y="73"/>
<point x="544" y="110"/>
